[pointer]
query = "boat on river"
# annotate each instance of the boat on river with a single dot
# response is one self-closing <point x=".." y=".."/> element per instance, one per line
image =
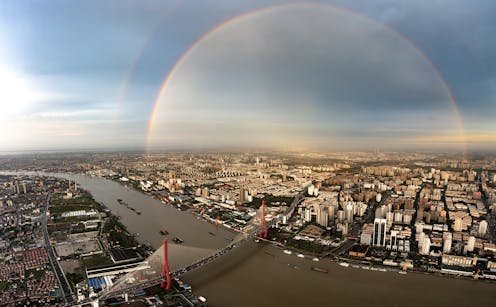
<point x="321" y="270"/>
<point x="177" y="240"/>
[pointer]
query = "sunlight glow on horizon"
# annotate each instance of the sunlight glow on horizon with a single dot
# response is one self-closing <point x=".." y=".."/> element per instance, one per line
<point x="319" y="76"/>
<point x="17" y="94"/>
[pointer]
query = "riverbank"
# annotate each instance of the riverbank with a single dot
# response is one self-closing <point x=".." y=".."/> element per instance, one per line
<point x="264" y="270"/>
<point x="234" y="278"/>
<point x="369" y="265"/>
<point x="155" y="216"/>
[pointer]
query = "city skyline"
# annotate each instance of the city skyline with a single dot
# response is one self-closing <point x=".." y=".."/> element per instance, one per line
<point x="113" y="227"/>
<point x="193" y="75"/>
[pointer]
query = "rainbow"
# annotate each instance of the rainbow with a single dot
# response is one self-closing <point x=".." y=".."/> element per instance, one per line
<point x="124" y="88"/>
<point x="231" y="21"/>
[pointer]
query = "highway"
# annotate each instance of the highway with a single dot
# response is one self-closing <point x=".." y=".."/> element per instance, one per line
<point x="64" y="284"/>
<point x="204" y="261"/>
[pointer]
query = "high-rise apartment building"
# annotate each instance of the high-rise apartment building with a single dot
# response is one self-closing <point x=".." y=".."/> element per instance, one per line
<point x="379" y="235"/>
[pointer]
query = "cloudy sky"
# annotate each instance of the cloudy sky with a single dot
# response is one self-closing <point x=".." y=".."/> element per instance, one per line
<point x="349" y="75"/>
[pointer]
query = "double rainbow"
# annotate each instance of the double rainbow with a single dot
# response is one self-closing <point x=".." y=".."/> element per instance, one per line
<point x="234" y="20"/>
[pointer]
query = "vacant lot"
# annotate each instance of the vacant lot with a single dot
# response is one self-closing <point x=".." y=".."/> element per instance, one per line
<point x="70" y="266"/>
<point x="79" y="247"/>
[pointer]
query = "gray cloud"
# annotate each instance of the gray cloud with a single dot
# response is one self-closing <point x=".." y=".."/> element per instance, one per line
<point x="327" y="77"/>
<point x="340" y="74"/>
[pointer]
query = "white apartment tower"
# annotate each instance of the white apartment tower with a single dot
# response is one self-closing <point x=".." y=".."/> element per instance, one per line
<point x="482" y="228"/>
<point x="447" y="242"/>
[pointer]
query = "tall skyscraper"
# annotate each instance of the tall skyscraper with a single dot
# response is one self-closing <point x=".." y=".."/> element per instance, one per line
<point x="421" y="237"/>
<point x="457" y="225"/>
<point x="426" y="246"/>
<point x="204" y="192"/>
<point x="242" y="198"/>
<point x="448" y="240"/>
<point x="393" y="242"/>
<point x="349" y="212"/>
<point x="389" y="218"/>
<point x="322" y="216"/>
<point x="331" y="211"/>
<point x="471" y="244"/>
<point x="379" y="235"/>
<point x="482" y="228"/>
<point x="308" y="214"/>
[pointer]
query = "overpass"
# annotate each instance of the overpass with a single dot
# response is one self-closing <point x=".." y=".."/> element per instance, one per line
<point x="131" y="282"/>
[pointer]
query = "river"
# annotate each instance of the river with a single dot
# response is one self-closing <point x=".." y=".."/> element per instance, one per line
<point x="201" y="238"/>
<point x="259" y="274"/>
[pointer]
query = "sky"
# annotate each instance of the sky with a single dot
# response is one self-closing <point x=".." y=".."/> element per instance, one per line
<point x="332" y="75"/>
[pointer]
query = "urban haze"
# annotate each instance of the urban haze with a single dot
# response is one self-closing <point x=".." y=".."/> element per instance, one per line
<point x="247" y="153"/>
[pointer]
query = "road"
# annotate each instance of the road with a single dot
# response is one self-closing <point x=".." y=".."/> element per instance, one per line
<point x="64" y="284"/>
<point x="343" y="248"/>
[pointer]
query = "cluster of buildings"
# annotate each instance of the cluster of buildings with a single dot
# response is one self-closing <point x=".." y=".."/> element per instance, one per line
<point x="443" y="220"/>
<point x="63" y="251"/>
<point x="433" y="214"/>
<point x="393" y="209"/>
<point x="26" y="275"/>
